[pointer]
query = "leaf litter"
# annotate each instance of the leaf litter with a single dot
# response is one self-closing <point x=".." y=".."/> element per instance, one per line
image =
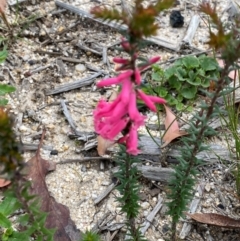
<point x="172" y="128"/>
<point x="58" y="214"/>
<point x="62" y="184"/>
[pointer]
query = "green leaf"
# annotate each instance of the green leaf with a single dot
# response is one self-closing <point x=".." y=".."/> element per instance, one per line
<point x="19" y="236"/>
<point x="179" y="106"/>
<point x="171" y="100"/>
<point x="23" y="219"/>
<point x="205" y="82"/>
<point x="5" y="89"/>
<point x="156" y="76"/>
<point x="189" y="92"/>
<point x="181" y="72"/>
<point x="162" y="91"/>
<point x="208" y="63"/>
<point x="170" y="72"/>
<point x="3" y="102"/>
<point x="3" y="55"/>
<point x="196" y="81"/>
<point x="174" y="83"/>
<point x="191" y="75"/>
<point x="178" y="62"/>
<point x="8" y="232"/>
<point x="190" y="62"/>
<point x="9" y="205"/>
<point x="4" y="221"/>
<point x="179" y="98"/>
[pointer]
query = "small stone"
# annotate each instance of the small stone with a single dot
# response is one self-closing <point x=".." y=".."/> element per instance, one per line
<point x="196" y="194"/>
<point x="23" y="128"/>
<point x="44" y="60"/>
<point x="80" y="68"/>
<point x="207" y="187"/>
<point x="54" y="152"/>
<point x="176" y="19"/>
<point x="32" y="62"/>
<point x="220" y="206"/>
<point x="165" y="228"/>
<point x="153" y="118"/>
<point x="26" y="57"/>
<point x="145" y="205"/>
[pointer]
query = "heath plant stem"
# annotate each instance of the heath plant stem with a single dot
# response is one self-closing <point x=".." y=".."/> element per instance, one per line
<point x="183" y="182"/>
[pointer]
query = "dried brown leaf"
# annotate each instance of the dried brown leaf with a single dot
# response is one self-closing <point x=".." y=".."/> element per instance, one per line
<point x="103" y="145"/>
<point x="232" y="73"/>
<point x="4" y="183"/>
<point x="215" y="219"/>
<point x="172" y="128"/>
<point x="58" y="214"/>
<point x="3" y="5"/>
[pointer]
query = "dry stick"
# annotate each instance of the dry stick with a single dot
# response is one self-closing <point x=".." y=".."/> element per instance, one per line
<point x="104" y="194"/>
<point x="159" y="174"/>
<point x="113" y="235"/>
<point x="48" y="52"/>
<point x="84" y="159"/>
<point x="96" y="226"/>
<point x="34" y="147"/>
<point x="192" y="29"/>
<point x="156" y="40"/>
<point x="74" y="85"/>
<point x="72" y="60"/>
<point x="85" y="48"/>
<point x="193" y="207"/>
<point x="54" y="103"/>
<point x="68" y="116"/>
<point x="151" y="215"/>
<point x="41" y="68"/>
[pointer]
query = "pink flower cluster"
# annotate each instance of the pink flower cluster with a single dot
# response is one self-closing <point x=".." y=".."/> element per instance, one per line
<point x="122" y="115"/>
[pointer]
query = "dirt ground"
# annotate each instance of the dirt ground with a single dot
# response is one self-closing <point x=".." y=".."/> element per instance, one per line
<point x="56" y="47"/>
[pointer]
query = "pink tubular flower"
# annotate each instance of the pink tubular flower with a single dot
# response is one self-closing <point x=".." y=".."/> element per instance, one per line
<point x="132" y="141"/>
<point x="122" y="114"/>
<point x="126" y="90"/>
<point x="115" y="80"/>
<point x="125" y="44"/>
<point x="120" y="60"/>
<point x="156" y="99"/>
<point x="117" y="128"/>
<point x="153" y="60"/>
<point x="136" y="117"/>
<point x="149" y="103"/>
<point x="137" y="76"/>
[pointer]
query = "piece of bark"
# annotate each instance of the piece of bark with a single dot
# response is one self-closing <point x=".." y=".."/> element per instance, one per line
<point x="74" y="85"/>
<point x="151" y="151"/>
<point x="157" y="40"/>
<point x="151" y="216"/>
<point x="96" y="227"/>
<point x="104" y="194"/>
<point x="68" y="116"/>
<point x="192" y="28"/>
<point x="159" y="174"/>
<point x="212" y="155"/>
<point x="156" y="173"/>
<point x="233" y="9"/>
<point x="192" y="209"/>
<point x="85" y="48"/>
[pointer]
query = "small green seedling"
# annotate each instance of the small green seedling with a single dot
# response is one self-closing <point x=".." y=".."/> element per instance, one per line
<point x="180" y="83"/>
<point x="4" y="89"/>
